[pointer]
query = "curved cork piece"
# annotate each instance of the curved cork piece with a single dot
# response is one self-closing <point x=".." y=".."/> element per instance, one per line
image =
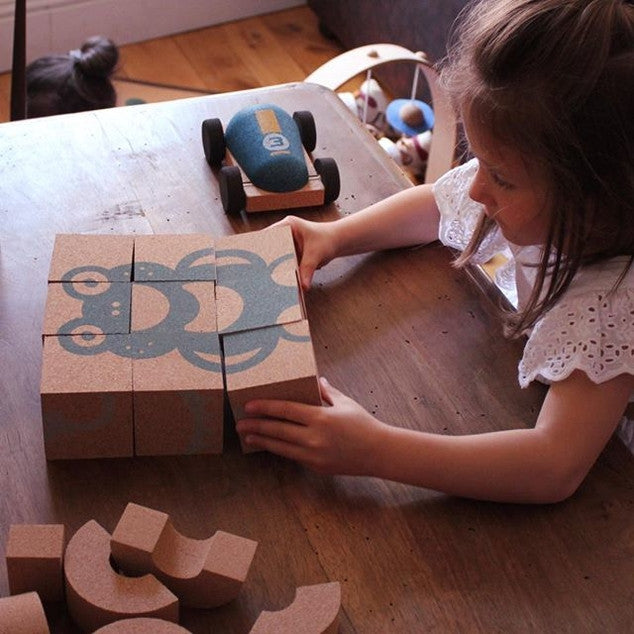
<point x="142" y="626"/>
<point x="202" y="573"/>
<point x="96" y="595"/>
<point x="23" y="614"/>
<point x="315" y="610"/>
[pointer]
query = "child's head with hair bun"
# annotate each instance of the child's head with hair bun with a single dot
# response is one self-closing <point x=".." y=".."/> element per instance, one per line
<point x="77" y="81"/>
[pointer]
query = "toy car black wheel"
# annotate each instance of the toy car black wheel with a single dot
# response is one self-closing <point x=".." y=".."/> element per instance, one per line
<point x="231" y="189"/>
<point x="306" y="125"/>
<point x="329" y="173"/>
<point x="213" y="141"/>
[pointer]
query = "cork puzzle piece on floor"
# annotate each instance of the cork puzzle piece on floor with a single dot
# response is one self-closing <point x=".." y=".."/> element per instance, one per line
<point x="34" y="556"/>
<point x="202" y="573"/>
<point x="142" y="626"/>
<point x="151" y="313"/>
<point x="96" y="595"/>
<point x="314" y="610"/>
<point x="23" y="614"/>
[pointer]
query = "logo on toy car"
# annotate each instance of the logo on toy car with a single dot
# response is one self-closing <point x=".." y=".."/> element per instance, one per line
<point x="274" y="142"/>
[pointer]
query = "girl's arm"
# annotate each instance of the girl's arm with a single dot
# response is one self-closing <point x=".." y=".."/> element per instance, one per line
<point x="407" y="218"/>
<point x="543" y="464"/>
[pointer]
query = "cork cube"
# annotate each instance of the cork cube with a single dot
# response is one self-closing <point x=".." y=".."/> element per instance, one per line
<point x="174" y="258"/>
<point x="23" y="614"/>
<point x="277" y="362"/>
<point x="86" y="397"/>
<point x="257" y="280"/>
<point x="91" y="258"/>
<point x="178" y="395"/>
<point x="34" y="560"/>
<point x="177" y="308"/>
<point x="78" y="308"/>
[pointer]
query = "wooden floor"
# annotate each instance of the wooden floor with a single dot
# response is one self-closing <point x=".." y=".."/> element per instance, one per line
<point x="276" y="48"/>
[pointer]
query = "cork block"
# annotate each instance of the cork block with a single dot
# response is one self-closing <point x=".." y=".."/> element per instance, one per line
<point x="169" y="257"/>
<point x="257" y="280"/>
<point x="173" y="307"/>
<point x="273" y="363"/>
<point x="86" y="397"/>
<point x="23" y="614"/>
<point x="78" y="308"/>
<point x="34" y="560"/>
<point x="202" y="573"/>
<point x="91" y="258"/>
<point x="142" y="626"/>
<point x="178" y="394"/>
<point x="97" y="596"/>
<point x="315" y="610"/>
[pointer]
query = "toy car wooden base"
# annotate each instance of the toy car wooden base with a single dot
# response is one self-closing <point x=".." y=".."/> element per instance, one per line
<point x="245" y="195"/>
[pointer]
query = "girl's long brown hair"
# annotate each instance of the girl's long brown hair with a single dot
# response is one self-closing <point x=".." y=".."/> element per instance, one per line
<point x="554" y="79"/>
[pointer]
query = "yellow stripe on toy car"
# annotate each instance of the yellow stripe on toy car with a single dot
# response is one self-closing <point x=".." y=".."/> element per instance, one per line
<point x="267" y="121"/>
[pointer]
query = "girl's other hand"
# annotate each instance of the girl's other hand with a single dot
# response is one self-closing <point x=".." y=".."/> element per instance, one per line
<point x="315" y="244"/>
<point x="337" y="438"/>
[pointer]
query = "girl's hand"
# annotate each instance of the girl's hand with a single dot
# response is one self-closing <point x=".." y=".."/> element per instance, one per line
<point x="315" y="244"/>
<point x="338" y="438"/>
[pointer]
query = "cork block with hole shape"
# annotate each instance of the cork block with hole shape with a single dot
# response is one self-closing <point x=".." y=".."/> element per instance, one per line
<point x="202" y="573"/>
<point x="78" y="308"/>
<point x="257" y="280"/>
<point x="174" y="258"/>
<point x="314" y="610"/>
<point x="271" y="363"/>
<point x="178" y="395"/>
<point x="34" y="556"/>
<point x="142" y="626"/>
<point x="86" y="397"/>
<point x="96" y="595"/>
<point x="23" y="614"/>
<point x="91" y="258"/>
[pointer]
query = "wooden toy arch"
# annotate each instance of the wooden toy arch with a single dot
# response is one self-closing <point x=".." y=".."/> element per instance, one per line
<point x="344" y="67"/>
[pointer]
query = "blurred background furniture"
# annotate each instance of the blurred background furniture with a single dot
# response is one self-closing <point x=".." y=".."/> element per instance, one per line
<point x="419" y="25"/>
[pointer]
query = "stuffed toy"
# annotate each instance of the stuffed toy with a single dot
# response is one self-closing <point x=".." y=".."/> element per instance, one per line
<point x="369" y="104"/>
<point x="402" y="127"/>
<point x="410" y="152"/>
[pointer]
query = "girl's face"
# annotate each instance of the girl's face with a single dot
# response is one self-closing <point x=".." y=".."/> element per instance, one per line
<point x="512" y="194"/>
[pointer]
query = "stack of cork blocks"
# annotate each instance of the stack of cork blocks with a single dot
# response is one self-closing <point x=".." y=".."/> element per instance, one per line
<point x="144" y="335"/>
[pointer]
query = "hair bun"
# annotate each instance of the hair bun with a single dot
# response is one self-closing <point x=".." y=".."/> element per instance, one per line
<point x="97" y="57"/>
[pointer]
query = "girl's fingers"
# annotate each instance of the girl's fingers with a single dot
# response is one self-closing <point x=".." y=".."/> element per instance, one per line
<point x="276" y="446"/>
<point x="284" y="431"/>
<point x="283" y="410"/>
<point x="306" y="272"/>
<point x="330" y="394"/>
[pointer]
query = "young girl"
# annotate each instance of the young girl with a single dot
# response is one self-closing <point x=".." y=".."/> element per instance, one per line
<point x="78" y="81"/>
<point x="545" y="91"/>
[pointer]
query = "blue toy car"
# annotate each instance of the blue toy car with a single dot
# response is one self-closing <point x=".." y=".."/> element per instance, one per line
<point x="264" y="160"/>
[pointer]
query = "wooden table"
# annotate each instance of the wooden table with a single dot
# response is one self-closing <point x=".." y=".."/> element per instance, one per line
<point x="402" y="332"/>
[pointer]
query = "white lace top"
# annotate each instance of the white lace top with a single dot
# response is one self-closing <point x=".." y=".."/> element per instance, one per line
<point x="590" y="328"/>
